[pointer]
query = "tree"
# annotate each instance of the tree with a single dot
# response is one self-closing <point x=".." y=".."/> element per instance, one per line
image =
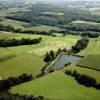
<point x="47" y="57"/>
<point x="52" y="54"/>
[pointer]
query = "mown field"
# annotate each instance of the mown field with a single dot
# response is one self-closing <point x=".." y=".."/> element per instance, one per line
<point x="26" y="57"/>
<point x="57" y="86"/>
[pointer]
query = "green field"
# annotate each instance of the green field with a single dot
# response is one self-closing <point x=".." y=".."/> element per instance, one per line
<point x="5" y="54"/>
<point x="7" y="35"/>
<point x="21" y="64"/>
<point x="26" y="26"/>
<point x="92" y="59"/>
<point x="27" y="56"/>
<point x="48" y="43"/>
<point x="58" y="86"/>
<point x="55" y="86"/>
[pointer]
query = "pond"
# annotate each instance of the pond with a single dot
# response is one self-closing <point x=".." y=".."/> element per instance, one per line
<point x="61" y="61"/>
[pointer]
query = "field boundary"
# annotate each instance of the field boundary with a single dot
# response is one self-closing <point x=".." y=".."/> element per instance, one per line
<point x="87" y="67"/>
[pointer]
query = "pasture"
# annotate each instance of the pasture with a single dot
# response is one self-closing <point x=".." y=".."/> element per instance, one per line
<point x="27" y="56"/>
<point x="27" y="26"/>
<point x="57" y="86"/>
<point x="5" y="54"/>
<point x="21" y="64"/>
<point x="92" y="58"/>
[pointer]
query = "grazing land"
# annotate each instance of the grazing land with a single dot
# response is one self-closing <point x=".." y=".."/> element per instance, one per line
<point x="93" y="56"/>
<point x="26" y="56"/>
<point x="62" y="27"/>
<point x="21" y="64"/>
<point x="57" y="86"/>
<point x="27" y="26"/>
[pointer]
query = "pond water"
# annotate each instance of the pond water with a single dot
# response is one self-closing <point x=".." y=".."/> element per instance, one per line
<point x="62" y="60"/>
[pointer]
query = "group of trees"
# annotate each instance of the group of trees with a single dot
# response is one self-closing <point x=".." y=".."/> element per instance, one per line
<point x="16" y="42"/>
<point x="50" y="56"/>
<point x="10" y="28"/>
<point x="12" y="81"/>
<point x="65" y="31"/>
<point x="81" y="44"/>
<point x="84" y="79"/>
<point x="19" y="97"/>
<point x="83" y="27"/>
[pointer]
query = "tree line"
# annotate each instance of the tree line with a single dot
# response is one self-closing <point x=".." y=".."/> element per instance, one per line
<point x="83" y="27"/>
<point x="10" y="96"/>
<point x="65" y="31"/>
<point x="84" y="33"/>
<point x="10" y="28"/>
<point x="50" y="56"/>
<point x="84" y="79"/>
<point x="16" y="42"/>
<point x="80" y="45"/>
<point x="12" y="81"/>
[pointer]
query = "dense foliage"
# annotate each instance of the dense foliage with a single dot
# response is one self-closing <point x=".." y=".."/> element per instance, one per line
<point x="12" y="81"/>
<point x="19" y="97"/>
<point x="84" y="79"/>
<point x="50" y="56"/>
<point x="16" y="42"/>
<point x="80" y="45"/>
<point x="10" y="28"/>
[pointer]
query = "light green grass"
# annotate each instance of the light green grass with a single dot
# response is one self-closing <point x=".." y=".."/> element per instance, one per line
<point x="7" y="35"/>
<point x="14" y="23"/>
<point x="90" y="72"/>
<point x="26" y="63"/>
<point x="58" y="86"/>
<point x="28" y="56"/>
<point x="48" y="43"/>
<point x="5" y="54"/>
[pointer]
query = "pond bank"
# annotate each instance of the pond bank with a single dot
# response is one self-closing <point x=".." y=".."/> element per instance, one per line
<point x="62" y="61"/>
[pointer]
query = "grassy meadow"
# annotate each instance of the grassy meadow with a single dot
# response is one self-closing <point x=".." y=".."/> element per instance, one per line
<point x="57" y="86"/>
<point x="26" y="26"/>
<point x="92" y="59"/>
<point x="26" y="57"/>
